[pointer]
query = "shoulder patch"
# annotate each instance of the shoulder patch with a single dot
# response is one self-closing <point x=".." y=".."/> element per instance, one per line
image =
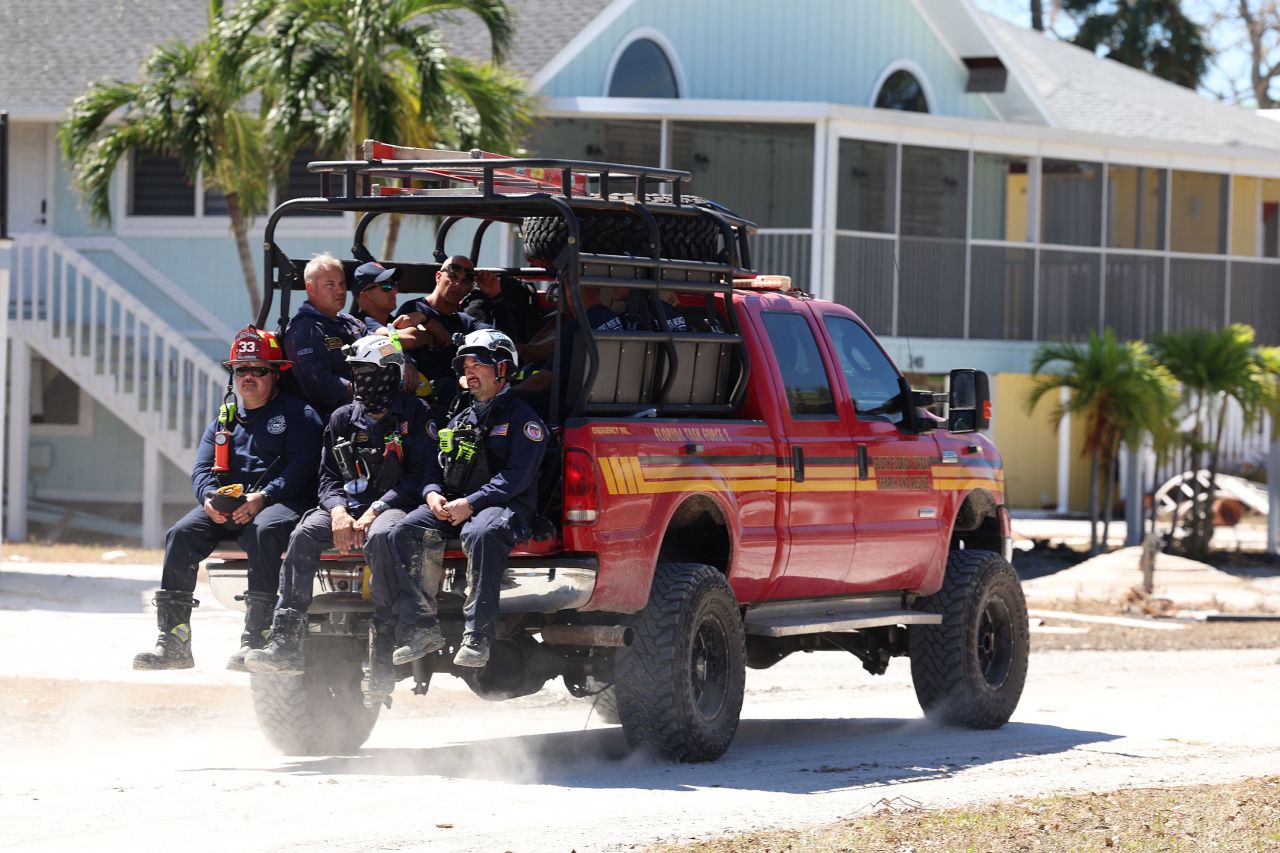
<point x="276" y="425"/>
<point x="500" y="429"/>
<point x="533" y="431"/>
<point x="333" y="343"/>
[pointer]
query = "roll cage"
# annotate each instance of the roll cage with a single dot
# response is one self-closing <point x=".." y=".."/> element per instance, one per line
<point x="641" y="372"/>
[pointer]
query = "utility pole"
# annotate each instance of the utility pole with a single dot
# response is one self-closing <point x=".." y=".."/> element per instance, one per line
<point x="1037" y="15"/>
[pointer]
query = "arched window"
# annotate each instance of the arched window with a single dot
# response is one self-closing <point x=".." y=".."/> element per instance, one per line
<point x="643" y="70"/>
<point x="902" y="91"/>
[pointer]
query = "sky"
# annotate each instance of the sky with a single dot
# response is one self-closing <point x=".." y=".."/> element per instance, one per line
<point x="1230" y="66"/>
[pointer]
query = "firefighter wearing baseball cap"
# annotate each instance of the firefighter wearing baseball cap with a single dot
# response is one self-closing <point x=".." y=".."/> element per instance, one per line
<point x="254" y="476"/>
<point x="481" y="486"/>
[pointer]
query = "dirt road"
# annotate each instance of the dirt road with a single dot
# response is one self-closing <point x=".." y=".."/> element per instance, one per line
<point x="96" y="756"/>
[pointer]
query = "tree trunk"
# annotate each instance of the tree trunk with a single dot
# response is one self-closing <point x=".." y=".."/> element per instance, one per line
<point x="1215" y="456"/>
<point x="1093" y="504"/>
<point x="1037" y="15"/>
<point x="1108" y="504"/>
<point x="241" y="231"/>
<point x="393" y="236"/>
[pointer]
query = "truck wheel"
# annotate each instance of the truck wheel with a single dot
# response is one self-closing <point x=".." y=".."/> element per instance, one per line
<point x="320" y="712"/>
<point x="692" y="238"/>
<point x="606" y="706"/>
<point x="969" y="671"/>
<point x="679" y="684"/>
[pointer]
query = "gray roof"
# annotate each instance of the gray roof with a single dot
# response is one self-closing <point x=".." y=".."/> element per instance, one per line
<point x="1084" y="92"/>
<point x="54" y="48"/>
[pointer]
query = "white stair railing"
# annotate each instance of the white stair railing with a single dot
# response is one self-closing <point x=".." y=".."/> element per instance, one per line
<point x="112" y="345"/>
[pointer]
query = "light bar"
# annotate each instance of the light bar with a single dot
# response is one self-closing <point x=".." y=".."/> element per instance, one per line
<point x="764" y="282"/>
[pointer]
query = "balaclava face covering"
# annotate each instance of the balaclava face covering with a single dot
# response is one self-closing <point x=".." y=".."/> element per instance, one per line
<point x="377" y="390"/>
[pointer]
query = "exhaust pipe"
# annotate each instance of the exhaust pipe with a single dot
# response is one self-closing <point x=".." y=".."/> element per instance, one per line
<point x="613" y="636"/>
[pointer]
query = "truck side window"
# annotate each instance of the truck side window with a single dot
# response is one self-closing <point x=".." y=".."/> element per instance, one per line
<point x="800" y="363"/>
<point x="870" y="377"/>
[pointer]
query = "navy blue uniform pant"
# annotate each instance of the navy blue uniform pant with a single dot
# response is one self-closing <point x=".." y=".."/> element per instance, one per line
<point x="314" y="535"/>
<point x="195" y="536"/>
<point x="487" y="539"/>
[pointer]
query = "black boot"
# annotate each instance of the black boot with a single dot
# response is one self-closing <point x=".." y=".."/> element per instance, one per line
<point x="173" y="647"/>
<point x="418" y="643"/>
<point x="382" y="673"/>
<point x="283" y="652"/>
<point x="474" y="651"/>
<point x="257" y="623"/>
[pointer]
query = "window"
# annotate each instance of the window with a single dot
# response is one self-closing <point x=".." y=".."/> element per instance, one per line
<point x="935" y="187"/>
<point x="865" y="186"/>
<point x="1199" y="213"/>
<point x="643" y="71"/>
<point x="1070" y="295"/>
<point x="1071" y="203"/>
<point x="1001" y="298"/>
<point x="299" y="183"/>
<point x="761" y="171"/>
<point x="1270" y="216"/>
<point x="635" y="142"/>
<point x="869" y="376"/>
<point x="902" y="91"/>
<point x="159" y="187"/>
<point x="1000" y="197"/>
<point x="799" y="362"/>
<point x="1135" y="207"/>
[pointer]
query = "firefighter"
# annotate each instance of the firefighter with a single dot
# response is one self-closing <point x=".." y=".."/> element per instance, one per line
<point x="371" y="471"/>
<point x="317" y="333"/>
<point x="482" y="486"/>
<point x="261" y="453"/>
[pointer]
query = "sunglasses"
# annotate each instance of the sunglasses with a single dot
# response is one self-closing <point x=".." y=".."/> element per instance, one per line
<point x="388" y="286"/>
<point x="252" y="371"/>
<point x="460" y="273"/>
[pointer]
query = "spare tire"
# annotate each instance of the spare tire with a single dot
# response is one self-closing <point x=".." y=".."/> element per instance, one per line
<point x="690" y="238"/>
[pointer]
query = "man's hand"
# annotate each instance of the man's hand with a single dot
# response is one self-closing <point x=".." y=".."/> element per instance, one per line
<point x="489" y="283"/>
<point x="436" y="503"/>
<point x="458" y="511"/>
<point x="409" y="321"/>
<point x="214" y="516"/>
<point x="346" y="538"/>
<point x="364" y="522"/>
<point x="254" y="503"/>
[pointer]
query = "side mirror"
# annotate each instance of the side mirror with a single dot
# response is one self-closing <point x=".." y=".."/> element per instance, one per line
<point x="968" y="401"/>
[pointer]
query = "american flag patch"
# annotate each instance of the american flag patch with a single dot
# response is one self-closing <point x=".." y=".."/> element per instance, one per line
<point x="500" y="429"/>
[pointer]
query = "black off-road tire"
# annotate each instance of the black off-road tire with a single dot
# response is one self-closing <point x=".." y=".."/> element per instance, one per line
<point x="605" y="706"/>
<point x="322" y="711"/>
<point x="679" y="684"/>
<point x="690" y="238"/>
<point x="969" y="671"/>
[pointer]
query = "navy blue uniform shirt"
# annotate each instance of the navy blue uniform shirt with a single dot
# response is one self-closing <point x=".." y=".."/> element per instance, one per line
<point x="515" y="445"/>
<point x="437" y="363"/>
<point x="313" y="341"/>
<point x="274" y="450"/>
<point x="408" y="415"/>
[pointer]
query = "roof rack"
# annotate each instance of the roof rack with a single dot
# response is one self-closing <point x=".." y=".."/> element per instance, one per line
<point x="700" y="373"/>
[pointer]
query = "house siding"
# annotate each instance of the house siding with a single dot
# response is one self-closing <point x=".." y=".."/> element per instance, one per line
<point x="826" y="50"/>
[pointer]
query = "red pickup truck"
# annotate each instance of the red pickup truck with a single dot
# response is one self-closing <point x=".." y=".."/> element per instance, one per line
<point x="754" y="480"/>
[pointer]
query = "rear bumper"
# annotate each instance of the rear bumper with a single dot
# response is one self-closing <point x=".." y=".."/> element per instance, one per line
<point x="530" y="585"/>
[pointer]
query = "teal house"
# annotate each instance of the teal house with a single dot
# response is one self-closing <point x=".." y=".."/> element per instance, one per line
<point x="970" y="188"/>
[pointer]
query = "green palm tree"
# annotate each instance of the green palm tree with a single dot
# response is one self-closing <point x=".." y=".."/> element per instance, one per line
<point x="188" y="105"/>
<point x="1118" y="391"/>
<point x="1215" y="366"/>
<point x="337" y="72"/>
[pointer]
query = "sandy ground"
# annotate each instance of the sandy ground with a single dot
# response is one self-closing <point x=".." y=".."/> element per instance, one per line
<point x="97" y="756"/>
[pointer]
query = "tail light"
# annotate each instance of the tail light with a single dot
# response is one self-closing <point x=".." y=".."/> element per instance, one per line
<point x="581" y="492"/>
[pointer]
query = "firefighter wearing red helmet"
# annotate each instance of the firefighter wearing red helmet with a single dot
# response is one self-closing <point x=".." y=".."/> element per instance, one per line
<point x="254" y="476"/>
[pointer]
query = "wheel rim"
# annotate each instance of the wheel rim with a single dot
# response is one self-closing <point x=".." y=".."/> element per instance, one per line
<point x="995" y="642"/>
<point x="709" y="668"/>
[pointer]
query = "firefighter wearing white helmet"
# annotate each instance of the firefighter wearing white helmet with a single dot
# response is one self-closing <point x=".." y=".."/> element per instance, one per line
<point x="376" y="451"/>
<point x="481" y="487"/>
